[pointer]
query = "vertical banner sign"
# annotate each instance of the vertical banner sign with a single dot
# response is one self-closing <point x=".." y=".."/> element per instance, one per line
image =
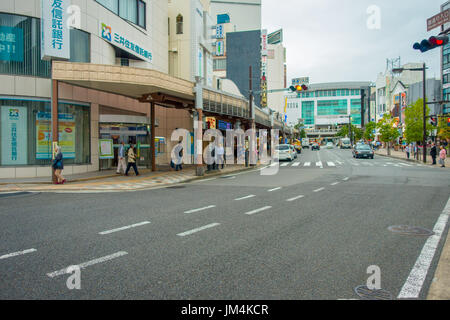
<point x="14" y="135"/>
<point x="55" y="34"/>
<point x="264" y="53"/>
<point x="264" y="49"/>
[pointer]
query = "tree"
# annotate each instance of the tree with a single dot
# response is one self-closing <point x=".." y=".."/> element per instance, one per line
<point x="343" y="132"/>
<point x="387" y="131"/>
<point x="357" y="133"/>
<point x="368" y="133"/>
<point x="302" y="134"/>
<point x="443" y="130"/>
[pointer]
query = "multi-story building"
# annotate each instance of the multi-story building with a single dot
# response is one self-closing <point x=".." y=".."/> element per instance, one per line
<point x="327" y="106"/>
<point x="276" y="76"/>
<point x="245" y="15"/>
<point x="445" y="66"/>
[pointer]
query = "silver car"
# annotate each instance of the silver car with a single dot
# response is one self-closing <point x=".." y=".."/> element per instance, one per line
<point x="284" y="152"/>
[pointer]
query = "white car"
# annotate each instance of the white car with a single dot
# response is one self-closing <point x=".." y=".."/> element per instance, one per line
<point x="285" y="152"/>
<point x="330" y="145"/>
<point x="294" y="151"/>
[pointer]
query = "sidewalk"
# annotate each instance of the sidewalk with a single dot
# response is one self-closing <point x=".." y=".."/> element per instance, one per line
<point x="402" y="155"/>
<point x="110" y="181"/>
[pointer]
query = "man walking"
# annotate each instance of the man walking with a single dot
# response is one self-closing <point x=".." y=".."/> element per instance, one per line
<point x="433" y="153"/>
<point x="131" y="161"/>
<point x="407" y="151"/>
<point x="121" y="163"/>
<point x="220" y="156"/>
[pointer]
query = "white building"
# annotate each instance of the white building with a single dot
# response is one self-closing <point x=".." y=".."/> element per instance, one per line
<point x="245" y="15"/>
<point x="276" y="76"/>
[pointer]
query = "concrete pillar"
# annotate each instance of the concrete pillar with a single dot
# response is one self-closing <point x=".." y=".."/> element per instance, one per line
<point x="55" y="133"/>
<point x="152" y="136"/>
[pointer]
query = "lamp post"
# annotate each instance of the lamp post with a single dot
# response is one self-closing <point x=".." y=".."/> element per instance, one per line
<point x="423" y="69"/>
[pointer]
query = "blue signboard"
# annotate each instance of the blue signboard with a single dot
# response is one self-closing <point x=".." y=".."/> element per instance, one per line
<point x="11" y="44"/>
<point x="223" y="125"/>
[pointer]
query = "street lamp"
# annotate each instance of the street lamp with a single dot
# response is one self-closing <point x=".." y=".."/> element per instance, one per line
<point x="423" y="69"/>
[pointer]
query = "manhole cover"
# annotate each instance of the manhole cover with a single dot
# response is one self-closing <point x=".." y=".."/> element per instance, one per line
<point x="413" y="231"/>
<point x="368" y="294"/>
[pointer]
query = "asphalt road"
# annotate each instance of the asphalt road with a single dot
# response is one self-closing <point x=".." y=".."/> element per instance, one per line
<point x="306" y="232"/>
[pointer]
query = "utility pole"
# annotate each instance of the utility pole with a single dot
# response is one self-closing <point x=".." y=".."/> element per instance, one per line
<point x="424" y="115"/>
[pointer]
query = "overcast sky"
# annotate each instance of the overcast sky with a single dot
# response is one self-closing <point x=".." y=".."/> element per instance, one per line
<point x="328" y="40"/>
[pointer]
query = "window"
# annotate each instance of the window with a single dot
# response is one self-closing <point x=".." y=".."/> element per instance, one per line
<point x="331" y="107"/>
<point x="308" y="112"/>
<point x="179" y="24"/>
<point x="80" y="46"/>
<point x="355" y="107"/>
<point x="31" y="123"/>
<point x="220" y="64"/>
<point x="131" y="10"/>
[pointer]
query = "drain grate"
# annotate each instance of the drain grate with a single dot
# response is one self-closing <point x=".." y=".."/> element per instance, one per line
<point x="413" y="231"/>
<point x="367" y="294"/>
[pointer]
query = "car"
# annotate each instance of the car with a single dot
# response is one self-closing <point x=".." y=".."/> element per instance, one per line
<point x="294" y="151"/>
<point x="284" y="152"/>
<point x="330" y="145"/>
<point x="363" y="151"/>
<point x="345" y="143"/>
<point x="315" y="146"/>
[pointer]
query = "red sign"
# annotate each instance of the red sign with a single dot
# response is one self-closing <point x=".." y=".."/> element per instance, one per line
<point x="438" y="20"/>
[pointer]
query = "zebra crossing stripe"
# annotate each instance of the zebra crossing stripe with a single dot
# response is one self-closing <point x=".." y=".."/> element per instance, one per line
<point x="296" y="164"/>
<point x="319" y="164"/>
<point x="307" y="164"/>
<point x="331" y="164"/>
<point x="284" y="165"/>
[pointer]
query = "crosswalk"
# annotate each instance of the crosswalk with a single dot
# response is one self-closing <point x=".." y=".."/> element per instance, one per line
<point x="341" y="163"/>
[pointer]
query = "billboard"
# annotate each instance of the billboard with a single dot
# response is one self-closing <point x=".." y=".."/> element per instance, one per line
<point x="55" y="34"/>
<point x="14" y="135"/>
<point x="11" y="44"/>
<point x="275" y="37"/>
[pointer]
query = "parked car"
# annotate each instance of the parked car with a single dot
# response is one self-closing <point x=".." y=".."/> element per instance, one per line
<point x="284" y="152"/>
<point x="363" y="151"/>
<point x="315" y="146"/>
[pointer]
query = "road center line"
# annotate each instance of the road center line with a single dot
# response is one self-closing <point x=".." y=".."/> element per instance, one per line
<point x="295" y="198"/>
<point x="334" y="183"/>
<point x="414" y="283"/>
<point x="247" y="197"/>
<point x="187" y="233"/>
<point x="318" y="190"/>
<point x="89" y="263"/>
<point x="274" y="189"/>
<point x="200" y="209"/>
<point x="345" y="179"/>
<point x="258" y="210"/>
<point x="15" y="254"/>
<point x="124" y="228"/>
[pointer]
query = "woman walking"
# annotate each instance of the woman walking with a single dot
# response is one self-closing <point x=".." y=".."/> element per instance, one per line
<point x="442" y="156"/>
<point x="58" y="166"/>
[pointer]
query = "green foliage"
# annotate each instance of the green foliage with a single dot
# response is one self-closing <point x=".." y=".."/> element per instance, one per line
<point x="414" y="122"/>
<point x="357" y="133"/>
<point x="343" y="132"/>
<point x="443" y="130"/>
<point x="368" y="133"/>
<point x="302" y="134"/>
<point x="387" y="132"/>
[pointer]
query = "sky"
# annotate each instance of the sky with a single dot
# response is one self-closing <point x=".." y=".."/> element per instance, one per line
<point x="329" y="40"/>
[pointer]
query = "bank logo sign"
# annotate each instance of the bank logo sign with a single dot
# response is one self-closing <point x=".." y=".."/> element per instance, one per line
<point x="121" y="41"/>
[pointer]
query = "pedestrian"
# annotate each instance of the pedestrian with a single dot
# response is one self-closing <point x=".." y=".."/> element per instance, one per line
<point x="415" y="151"/>
<point x="442" y="156"/>
<point x="220" y="156"/>
<point x="407" y="151"/>
<point x="58" y="166"/>
<point x="131" y="160"/>
<point x="121" y="162"/>
<point x="433" y="153"/>
<point x="178" y="155"/>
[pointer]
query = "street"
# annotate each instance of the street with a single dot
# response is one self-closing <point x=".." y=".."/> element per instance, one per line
<point x="308" y="232"/>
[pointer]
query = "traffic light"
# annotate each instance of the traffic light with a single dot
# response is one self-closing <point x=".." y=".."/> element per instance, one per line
<point x="433" y="121"/>
<point x="448" y="122"/>
<point x="431" y="43"/>
<point x="298" y="88"/>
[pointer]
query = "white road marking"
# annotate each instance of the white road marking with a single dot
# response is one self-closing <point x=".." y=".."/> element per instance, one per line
<point x="15" y="254"/>
<point x="413" y="285"/>
<point x="296" y="164"/>
<point x="187" y="233"/>
<point x="274" y="189"/>
<point x="345" y="179"/>
<point x="331" y="164"/>
<point x="307" y="164"/>
<point x="124" y="228"/>
<point x="258" y="210"/>
<point x="89" y="263"/>
<point x="295" y="198"/>
<point x="334" y="183"/>
<point x="200" y="209"/>
<point x="204" y="180"/>
<point x="319" y="164"/>
<point x="284" y="164"/>
<point x="405" y="164"/>
<point x="247" y="197"/>
<point x="318" y="190"/>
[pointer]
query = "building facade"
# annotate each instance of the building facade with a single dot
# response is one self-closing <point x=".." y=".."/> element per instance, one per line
<point x="327" y="106"/>
<point x="445" y="67"/>
<point x="245" y="15"/>
<point x="276" y="76"/>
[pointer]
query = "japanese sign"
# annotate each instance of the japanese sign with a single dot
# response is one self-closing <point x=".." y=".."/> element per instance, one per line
<point x="11" y="44"/>
<point x="119" y="40"/>
<point x="219" y="48"/>
<point x="14" y="135"/>
<point x="219" y="31"/>
<point x="106" y="150"/>
<point x="55" y="34"/>
<point x="438" y="20"/>
<point x="264" y="47"/>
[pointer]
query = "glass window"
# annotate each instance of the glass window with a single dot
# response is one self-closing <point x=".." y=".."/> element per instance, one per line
<point x="112" y="5"/>
<point x="355" y="107"/>
<point x="128" y="10"/>
<point x="308" y="112"/>
<point x="80" y="46"/>
<point x="26" y="129"/>
<point x="142" y="14"/>
<point x="331" y="107"/>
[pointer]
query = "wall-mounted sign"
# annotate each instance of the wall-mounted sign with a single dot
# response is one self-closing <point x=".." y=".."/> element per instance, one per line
<point x="264" y="47"/>
<point x="55" y="34"/>
<point x="438" y="20"/>
<point x="11" y="44"/>
<point x="300" y="81"/>
<point x="223" y="125"/>
<point x="211" y="122"/>
<point x="14" y="135"/>
<point x="219" y="48"/>
<point x="275" y="37"/>
<point x="106" y="150"/>
<point x="219" y="31"/>
<point x="121" y="41"/>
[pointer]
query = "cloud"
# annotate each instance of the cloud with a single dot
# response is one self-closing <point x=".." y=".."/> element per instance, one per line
<point x="328" y="40"/>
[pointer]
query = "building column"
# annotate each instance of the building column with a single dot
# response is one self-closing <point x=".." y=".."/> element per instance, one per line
<point x="152" y="136"/>
<point x="55" y="133"/>
<point x="198" y="128"/>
